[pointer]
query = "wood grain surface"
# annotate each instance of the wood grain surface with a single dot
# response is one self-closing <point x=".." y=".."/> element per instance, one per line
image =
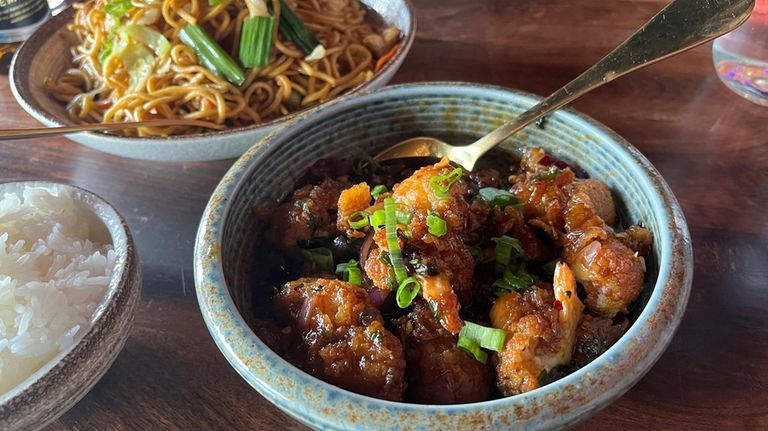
<point x="710" y="145"/>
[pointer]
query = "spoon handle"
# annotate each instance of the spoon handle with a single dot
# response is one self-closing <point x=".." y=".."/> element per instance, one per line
<point x="10" y="134"/>
<point x="682" y="25"/>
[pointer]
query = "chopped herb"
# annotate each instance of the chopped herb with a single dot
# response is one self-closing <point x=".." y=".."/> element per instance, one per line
<point x="358" y="220"/>
<point x="364" y="165"/>
<point x="393" y="243"/>
<point x="435" y="225"/>
<point x="441" y="184"/>
<point x="322" y="257"/>
<point x="407" y="291"/>
<point x="513" y="281"/>
<point x="550" y="174"/>
<point x="508" y="250"/>
<point x="545" y="378"/>
<point x="350" y="272"/>
<point x="499" y="198"/>
<point x="379" y="190"/>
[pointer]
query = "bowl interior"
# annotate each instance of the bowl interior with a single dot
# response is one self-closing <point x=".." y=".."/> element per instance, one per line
<point x="226" y="272"/>
<point x="368" y="129"/>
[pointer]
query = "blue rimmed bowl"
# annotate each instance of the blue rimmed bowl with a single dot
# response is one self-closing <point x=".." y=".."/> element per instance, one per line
<point x="455" y="112"/>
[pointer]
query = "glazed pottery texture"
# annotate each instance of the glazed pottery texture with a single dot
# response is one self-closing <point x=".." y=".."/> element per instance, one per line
<point x="63" y="381"/>
<point x="456" y="113"/>
<point x="46" y="54"/>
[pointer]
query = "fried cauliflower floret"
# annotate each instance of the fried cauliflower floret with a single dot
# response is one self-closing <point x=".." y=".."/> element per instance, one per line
<point x="541" y="329"/>
<point x="341" y="338"/>
<point x="438" y="371"/>
<point x="311" y="212"/>
<point x="351" y="200"/>
<point x="416" y="193"/>
<point x="611" y="273"/>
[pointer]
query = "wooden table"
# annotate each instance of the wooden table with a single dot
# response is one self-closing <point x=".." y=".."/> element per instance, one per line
<point x="710" y="145"/>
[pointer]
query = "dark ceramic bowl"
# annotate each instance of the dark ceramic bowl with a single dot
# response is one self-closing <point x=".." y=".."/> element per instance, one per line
<point x="65" y="379"/>
<point x="455" y="113"/>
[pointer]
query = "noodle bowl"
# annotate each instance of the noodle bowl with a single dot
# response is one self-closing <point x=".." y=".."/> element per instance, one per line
<point x="104" y="88"/>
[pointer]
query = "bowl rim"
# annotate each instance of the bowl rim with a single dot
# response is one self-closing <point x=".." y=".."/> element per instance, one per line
<point x="118" y="284"/>
<point x="664" y="309"/>
<point x="24" y="97"/>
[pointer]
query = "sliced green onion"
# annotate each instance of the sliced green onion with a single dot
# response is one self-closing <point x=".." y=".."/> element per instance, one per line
<point x="377" y="219"/>
<point x="550" y="174"/>
<point x="442" y="183"/>
<point x="511" y="281"/>
<point x="214" y="2"/>
<point x="405" y="293"/>
<point x="545" y="378"/>
<point x="487" y="338"/>
<point x="395" y="255"/>
<point x="403" y="217"/>
<point x="117" y="8"/>
<point x="435" y="225"/>
<point x="294" y="29"/>
<point x="211" y="55"/>
<point x="379" y="190"/>
<point x="350" y="272"/>
<point x="498" y="197"/>
<point x="506" y="249"/>
<point x="322" y="257"/>
<point x="473" y="348"/>
<point x="256" y="41"/>
<point x="364" y="165"/>
<point x="549" y="267"/>
<point x="358" y="220"/>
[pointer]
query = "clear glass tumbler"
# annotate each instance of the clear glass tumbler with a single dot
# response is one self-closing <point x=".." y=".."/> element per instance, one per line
<point x="741" y="56"/>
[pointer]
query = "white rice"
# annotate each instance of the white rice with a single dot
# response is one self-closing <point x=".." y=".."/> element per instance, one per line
<point x="52" y="278"/>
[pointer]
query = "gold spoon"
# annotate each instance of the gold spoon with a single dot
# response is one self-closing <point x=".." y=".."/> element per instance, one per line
<point x="682" y="25"/>
<point x="10" y="134"/>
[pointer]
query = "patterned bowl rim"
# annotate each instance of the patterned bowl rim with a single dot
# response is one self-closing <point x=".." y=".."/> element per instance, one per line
<point x="53" y="373"/>
<point x="22" y="62"/>
<point x="657" y="322"/>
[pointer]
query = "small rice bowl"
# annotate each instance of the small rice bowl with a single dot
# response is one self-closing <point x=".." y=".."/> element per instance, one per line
<point x="56" y="261"/>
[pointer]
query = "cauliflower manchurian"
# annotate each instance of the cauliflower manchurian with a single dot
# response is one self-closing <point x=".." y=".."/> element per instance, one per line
<point x="432" y="285"/>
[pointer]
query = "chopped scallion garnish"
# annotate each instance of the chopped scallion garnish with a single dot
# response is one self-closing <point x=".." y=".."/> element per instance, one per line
<point x="378" y="190"/>
<point x="473" y="348"/>
<point x="322" y="257"/>
<point x="550" y="174"/>
<point x="507" y="248"/>
<point x="358" y="220"/>
<point x="407" y="291"/>
<point x="395" y="254"/>
<point x="435" y="225"/>
<point x="294" y="29"/>
<point x="498" y="197"/>
<point x="440" y="184"/>
<point x="211" y="55"/>
<point x="487" y="338"/>
<point x="350" y="272"/>
<point x="256" y="41"/>
<point x="403" y="217"/>
<point x="518" y="280"/>
<point x="377" y="219"/>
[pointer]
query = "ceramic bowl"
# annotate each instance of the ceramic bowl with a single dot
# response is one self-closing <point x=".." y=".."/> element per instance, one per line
<point x="65" y="379"/>
<point x="456" y="113"/>
<point x="46" y="54"/>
